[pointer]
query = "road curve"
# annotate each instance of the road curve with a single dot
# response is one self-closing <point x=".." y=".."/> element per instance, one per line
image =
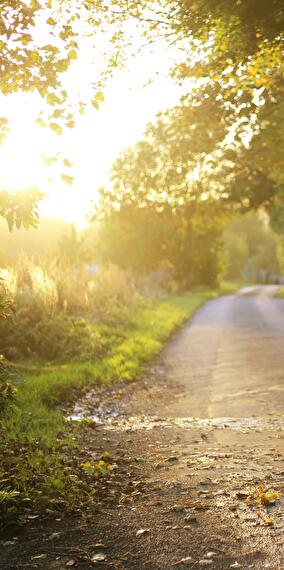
<point x="230" y="358"/>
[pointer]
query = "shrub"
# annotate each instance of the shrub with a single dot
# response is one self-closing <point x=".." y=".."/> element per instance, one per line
<point x="7" y="388"/>
<point x="58" y="312"/>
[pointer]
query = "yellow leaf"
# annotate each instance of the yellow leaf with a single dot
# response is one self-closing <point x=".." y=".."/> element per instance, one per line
<point x="72" y="54"/>
<point x="268" y="498"/>
<point x="249" y="500"/>
<point x="56" y="128"/>
<point x="40" y="122"/>
<point x="107" y="457"/>
<point x="269" y="521"/>
<point x="51" y="22"/>
<point x="99" y="96"/>
<point x="67" y="179"/>
<point x="90" y="422"/>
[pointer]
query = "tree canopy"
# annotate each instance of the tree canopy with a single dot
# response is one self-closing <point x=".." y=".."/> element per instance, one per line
<point x="228" y="56"/>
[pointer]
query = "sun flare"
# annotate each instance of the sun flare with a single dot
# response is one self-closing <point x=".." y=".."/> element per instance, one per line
<point x="130" y="102"/>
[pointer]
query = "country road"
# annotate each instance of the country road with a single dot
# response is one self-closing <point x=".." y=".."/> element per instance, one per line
<point x="198" y="441"/>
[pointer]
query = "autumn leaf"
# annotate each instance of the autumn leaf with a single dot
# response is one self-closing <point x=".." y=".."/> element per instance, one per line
<point x="267" y="498"/>
<point x="67" y="178"/>
<point x="99" y="96"/>
<point x="56" y="128"/>
<point x="72" y="54"/>
<point x="269" y="521"/>
<point x="51" y="22"/>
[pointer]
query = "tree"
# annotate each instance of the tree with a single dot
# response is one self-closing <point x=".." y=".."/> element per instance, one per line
<point x="251" y="247"/>
<point x="20" y="209"/>
<point x="38" y="43"/>
<point x="186" y="155"/>
<point x="231" y="52"/>
<point x="161" y="206"/>
<point x="185" y="239"/>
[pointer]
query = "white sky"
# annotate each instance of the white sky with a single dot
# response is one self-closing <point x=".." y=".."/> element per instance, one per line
<point x="95" y="141"/>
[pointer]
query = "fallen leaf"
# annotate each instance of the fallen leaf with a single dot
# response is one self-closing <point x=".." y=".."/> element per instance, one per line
<point x="242" y="494"/>
<point x="177" y="509"/>
<point x="182" y="560"/>
<point x="190" y="519"/>
<point x="142" y="531"/>
<point x="268" y="498"/>
<point x="100" y="557"/>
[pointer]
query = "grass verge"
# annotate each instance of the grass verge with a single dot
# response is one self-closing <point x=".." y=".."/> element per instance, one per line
<point x="41" y="464"/>
<point x="279" y="294"/>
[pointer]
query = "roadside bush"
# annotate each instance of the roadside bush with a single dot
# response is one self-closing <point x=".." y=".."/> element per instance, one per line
<point x="58" y="312"/>
<point x="7" y="388"/>
<point x="53" y="338"/>
<point x="111" y="293"/>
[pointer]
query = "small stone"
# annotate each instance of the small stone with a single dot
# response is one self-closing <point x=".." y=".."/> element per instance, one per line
<point x="190" y="519"/>
<point x="142" y="531"/>
<point x="177" y="509"/>
<point x="100" y="557"/>
<point x="210" y="554"/>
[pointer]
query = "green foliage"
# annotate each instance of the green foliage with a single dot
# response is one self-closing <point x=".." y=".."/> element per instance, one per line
<point x="231" y="53"/>
<point x="251" y="248"/>
<point x="51" y="315"/>
<point x="279" y="294"/>
<point x="186" y="241"/>
<point x="231" y="64"/>
<point x="20" y="209"/>
<point x="162" y="207"/>
<point x="7" y="388"/>
<point x="30" y="64"/>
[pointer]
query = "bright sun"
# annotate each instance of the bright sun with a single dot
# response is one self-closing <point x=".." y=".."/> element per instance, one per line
<point x="95" y="141"/>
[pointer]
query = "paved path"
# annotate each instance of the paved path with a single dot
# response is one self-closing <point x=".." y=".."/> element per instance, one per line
<point x="198" y="442"/>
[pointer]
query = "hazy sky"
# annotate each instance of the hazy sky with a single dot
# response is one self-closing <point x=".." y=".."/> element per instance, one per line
<point x="97" y="138"/>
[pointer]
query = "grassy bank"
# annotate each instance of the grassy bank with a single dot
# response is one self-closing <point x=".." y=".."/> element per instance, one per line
<point x="280" y="293"/>
<point x="41" y="461"/>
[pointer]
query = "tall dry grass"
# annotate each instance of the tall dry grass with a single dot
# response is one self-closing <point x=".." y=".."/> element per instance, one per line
<point x="57" y="311"/>
<point x="52" y="286"/>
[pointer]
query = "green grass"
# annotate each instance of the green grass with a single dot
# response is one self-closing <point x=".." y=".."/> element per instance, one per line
<point x="36" y="439"/>
<point x="279" y="294"/>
